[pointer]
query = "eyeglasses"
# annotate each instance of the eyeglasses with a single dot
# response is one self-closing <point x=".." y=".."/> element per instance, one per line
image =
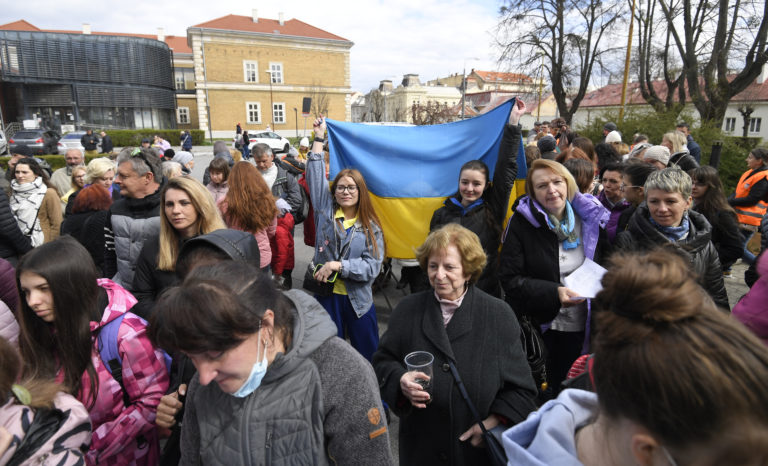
<point x="624" y="187"/>
<point x="351" y="189"/>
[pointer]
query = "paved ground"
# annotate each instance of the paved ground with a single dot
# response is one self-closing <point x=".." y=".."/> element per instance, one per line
<point x="388" y="297"/>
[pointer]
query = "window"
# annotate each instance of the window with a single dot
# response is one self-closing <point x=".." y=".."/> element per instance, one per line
<point x="182" y="115"/>
<point x="179" y="78"/>
<point x="253" y="112"/>
<point x="250" y="71"/>
<point x="754" y="125"/>
<point x="278" y="113"/>
<point x="276" y="71"/>
<point x="730" y="125"/>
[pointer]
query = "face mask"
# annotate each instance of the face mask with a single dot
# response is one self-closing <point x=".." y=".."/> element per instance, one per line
<point x="257" y="374"/>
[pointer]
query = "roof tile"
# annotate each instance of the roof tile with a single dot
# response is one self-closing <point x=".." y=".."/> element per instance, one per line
<point x="291" y="27"/>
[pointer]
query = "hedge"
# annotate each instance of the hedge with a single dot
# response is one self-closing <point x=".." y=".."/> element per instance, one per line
<point x="133" y="137"/>
<point x="55" y="161"/>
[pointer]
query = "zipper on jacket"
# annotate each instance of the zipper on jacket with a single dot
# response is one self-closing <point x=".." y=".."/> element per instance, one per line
<point x="268" y="447"/>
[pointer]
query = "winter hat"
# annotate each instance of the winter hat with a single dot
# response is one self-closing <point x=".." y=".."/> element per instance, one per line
<point x="546" y="144"/>
<point x="304" y="142"/>
<point x="659" y="153"/>
<point x="183" y="157"/>
<point x="613" y="136"/>
<point x="610" y="126"/>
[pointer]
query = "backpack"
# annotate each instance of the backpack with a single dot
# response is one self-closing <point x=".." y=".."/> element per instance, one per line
<point x="110" y="355"/>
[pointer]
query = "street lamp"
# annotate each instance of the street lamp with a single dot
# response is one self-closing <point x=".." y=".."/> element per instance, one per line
<point x="464" y="83"/>
<point x="296" y="120"/>
<point x="271" y="100"/>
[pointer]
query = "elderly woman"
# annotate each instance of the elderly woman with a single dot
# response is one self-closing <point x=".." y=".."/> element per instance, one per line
<point x="274" y="383"/>
<point x="99" y="171"/>
<point x="554" y="230"/>
<point x="457" y="323"/>
<point x="677" y="381"/>
<point x="665" y="219"/>
<point x="681" y="157"/>
<point x="749" y="199"/>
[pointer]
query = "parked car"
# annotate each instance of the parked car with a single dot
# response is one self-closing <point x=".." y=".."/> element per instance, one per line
<point x="39" y="140"/>
<point x="71" y="141"/>
<point x="273" y="140"/>
<point x="3" y="143"/>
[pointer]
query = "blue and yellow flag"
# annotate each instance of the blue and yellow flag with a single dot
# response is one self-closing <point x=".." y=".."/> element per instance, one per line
<point x="410" y="170"/>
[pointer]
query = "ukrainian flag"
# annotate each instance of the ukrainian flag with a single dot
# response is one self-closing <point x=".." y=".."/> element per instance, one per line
<point x="410" y="170"/>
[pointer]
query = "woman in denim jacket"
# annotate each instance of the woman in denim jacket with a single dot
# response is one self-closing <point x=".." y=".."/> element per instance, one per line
<point x="349" y="246"/>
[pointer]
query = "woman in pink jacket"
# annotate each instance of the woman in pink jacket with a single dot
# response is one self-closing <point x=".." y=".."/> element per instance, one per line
<point x="64" y="310"/>
<point x="59" y="424"/>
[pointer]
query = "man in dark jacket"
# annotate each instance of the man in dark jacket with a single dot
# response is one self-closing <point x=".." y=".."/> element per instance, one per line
<point x="106" y="143"/>
<point x="89" y="141"/>
<point x="13" y="243"/>
<point x="693" y="147"/>
<point x="134" y="218"/>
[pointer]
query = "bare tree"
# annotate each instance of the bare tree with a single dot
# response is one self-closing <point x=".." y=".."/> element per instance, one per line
<point x="376" y="104"/>
<point x="431" y="113"/>
<point x="711" y="37"/>
<point x="566" y="36"/>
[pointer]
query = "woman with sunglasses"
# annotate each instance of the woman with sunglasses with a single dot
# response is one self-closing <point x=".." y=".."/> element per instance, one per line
<point x="349" y="247"/>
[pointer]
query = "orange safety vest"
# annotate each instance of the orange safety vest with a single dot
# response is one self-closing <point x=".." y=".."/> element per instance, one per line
<point x="750" y="215"/>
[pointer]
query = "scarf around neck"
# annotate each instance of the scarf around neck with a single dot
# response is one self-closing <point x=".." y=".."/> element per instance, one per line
<point x="674" y="233"/>
<point x="565" y="231"/>
<point x="25" y="204"/>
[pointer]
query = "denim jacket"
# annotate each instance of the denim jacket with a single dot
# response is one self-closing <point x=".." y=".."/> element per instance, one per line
<point x="359" y="266"/>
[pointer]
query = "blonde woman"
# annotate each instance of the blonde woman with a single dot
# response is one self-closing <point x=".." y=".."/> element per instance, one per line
<point x="187" y="210"/>
<point x="99" y="171"/>
<point x="681" y="157"/>
<point x="77" y="183"/>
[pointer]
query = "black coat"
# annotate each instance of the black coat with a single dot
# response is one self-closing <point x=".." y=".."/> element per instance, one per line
<point x="106" y="144"/>
<point x="684" y="160"/>
<point x="726" y="237"/>
<point x="486" y="220"/>
<point x="696" y="248"/>
<point x="483" y="341"/>
<point x="88" y="229"/>
<point x="148" y="281"/>
<point x="13" y="243"/>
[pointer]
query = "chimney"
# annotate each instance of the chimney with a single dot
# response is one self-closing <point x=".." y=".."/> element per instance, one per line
<point x="411" y="80"/>
<point x="161" y="34"/>
<point x="385" y="85"/>
<point x="86" y="28"/>
<point x="280" y="19"/>
<point x="763" y="74"/>
<point x="255" y="15"/>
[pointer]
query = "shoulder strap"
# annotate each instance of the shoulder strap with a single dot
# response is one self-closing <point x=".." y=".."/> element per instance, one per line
<point x="110" y="354"/>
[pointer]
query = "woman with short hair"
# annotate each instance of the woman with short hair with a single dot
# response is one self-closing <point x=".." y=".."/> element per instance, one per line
<point x="87" y="221"/>
<point x="274" y="384"/>
<point x="666" y="220"/>
<point x="554" y="230"/>
<point x="186" y="211"/>
<point x="678" y="382"/>
<point x="35" y="203"/>
<point x="458" y="324"/>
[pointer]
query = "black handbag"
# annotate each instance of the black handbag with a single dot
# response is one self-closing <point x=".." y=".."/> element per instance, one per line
<point x="496" y="453"/>
<point x="314" y="286"/>
<point x="535" y="351"/>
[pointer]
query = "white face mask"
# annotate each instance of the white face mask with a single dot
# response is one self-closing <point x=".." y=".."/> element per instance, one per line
<point x="257" y="374"/>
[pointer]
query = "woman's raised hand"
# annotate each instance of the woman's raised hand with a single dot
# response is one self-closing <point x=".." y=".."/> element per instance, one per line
<point x="518" y="110"/>
<point x="319" y="127"/>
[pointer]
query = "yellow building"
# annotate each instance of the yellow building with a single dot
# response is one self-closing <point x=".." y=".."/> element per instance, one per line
<point x="256" y="72"/>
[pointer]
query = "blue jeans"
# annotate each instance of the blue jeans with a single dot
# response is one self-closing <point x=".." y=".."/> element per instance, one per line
<point x="747" y="257"/>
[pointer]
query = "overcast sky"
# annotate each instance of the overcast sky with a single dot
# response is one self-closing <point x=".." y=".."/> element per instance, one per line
<point x="392" y="37"/>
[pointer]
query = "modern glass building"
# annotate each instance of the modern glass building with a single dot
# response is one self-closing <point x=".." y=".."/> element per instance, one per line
<point x="86" y="80"/>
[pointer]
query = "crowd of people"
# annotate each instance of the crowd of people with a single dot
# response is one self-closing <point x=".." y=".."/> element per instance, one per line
<point x="147" y="317"/>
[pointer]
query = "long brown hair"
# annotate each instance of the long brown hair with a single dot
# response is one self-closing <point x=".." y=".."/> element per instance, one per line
<point x="250" y="204"/>
<point x="41" y="391"/>
<point x="366" y="215"/>
<point x="208" y="219"/>
<point x="713" y="200"/>
<point x="669" y="360"/>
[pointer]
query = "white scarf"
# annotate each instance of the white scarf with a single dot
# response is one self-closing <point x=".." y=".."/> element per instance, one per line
<point x="25" y="204"/>
<point x="270" y="175"/>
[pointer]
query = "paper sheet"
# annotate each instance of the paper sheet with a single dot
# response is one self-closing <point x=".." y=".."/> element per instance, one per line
<point x="586" y="279"/>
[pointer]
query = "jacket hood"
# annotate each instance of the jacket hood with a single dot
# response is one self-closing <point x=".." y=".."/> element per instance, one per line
<point x="312" y="327"/>
<point x="586" y="206"/>
<point x="238" y="245"/>
<point x="119" y="300"/>
<point x="147" y="202"/>
<point x="699" y="234"/>
<point x="548" y="436"/>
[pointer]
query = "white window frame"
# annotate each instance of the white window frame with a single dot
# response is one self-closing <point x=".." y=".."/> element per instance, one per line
<point x="250" y="73"/>
<point x="281" y="120"/>
<point x="248" y="112"/>
<point x="730" y="124"/>
<point x="182" y="111"/>
<point x="276" y="72"/>
<point x="179" y="82"/>
<point x="755" y="124"/>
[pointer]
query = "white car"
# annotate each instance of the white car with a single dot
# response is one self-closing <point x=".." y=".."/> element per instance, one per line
<point x="71" y="141"/>
<point x="273" y="140"/>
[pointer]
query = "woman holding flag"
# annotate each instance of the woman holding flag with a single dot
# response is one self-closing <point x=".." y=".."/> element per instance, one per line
<point x="349" y="247"/>
<point x="480" y="206"/>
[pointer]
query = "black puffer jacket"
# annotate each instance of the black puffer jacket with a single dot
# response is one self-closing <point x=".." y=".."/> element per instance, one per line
<point x="486" y="219"/>
<point x="88" y="229"/>
<point x="684" y="160"/>
<point x="696" y="248"/>
<point x="13" y="243"/>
